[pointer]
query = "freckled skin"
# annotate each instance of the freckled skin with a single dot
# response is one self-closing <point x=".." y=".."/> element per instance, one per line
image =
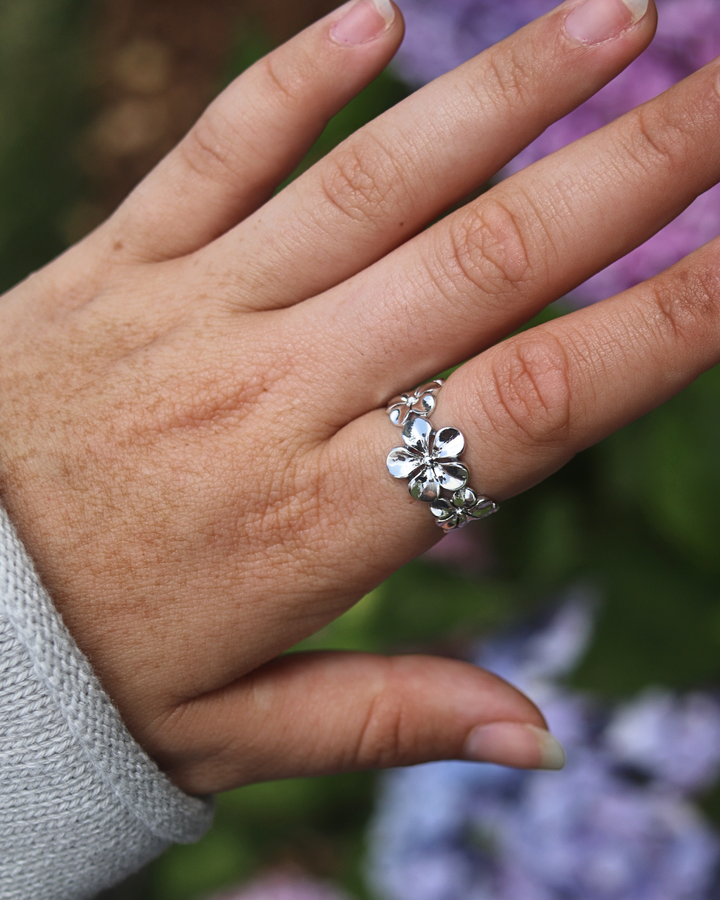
<point x="192" y="398"/>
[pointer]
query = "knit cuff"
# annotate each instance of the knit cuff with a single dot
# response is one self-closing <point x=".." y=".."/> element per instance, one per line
<point x="81" y="804"/>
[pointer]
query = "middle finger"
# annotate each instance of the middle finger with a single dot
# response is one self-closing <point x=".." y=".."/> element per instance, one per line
<point x="395" y="175"/>
<point x="483" y="271"/>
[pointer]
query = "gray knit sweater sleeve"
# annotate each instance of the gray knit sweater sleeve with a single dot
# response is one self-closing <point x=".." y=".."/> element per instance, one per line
<point x="81" y="804"/>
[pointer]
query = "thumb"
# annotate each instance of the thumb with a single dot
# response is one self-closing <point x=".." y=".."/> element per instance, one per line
<point x="322" y="713"/>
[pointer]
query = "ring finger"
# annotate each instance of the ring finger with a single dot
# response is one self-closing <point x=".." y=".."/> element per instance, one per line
<point x="528" y="405"/>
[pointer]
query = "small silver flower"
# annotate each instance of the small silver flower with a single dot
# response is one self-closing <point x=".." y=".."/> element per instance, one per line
<point x="420" y="402"/>
<point x="429" y="460"/>
<point x="461" y="508"/>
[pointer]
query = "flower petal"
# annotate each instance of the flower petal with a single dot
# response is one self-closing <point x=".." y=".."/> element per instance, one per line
<point x="425" y="486"/>
<point x="424" y="405"/>
<point x="416" y="435"/>
<point x="448" y="444"/>
<point x="464" y="498"/>
<point x="397" y="413"/>
<point x="452" y="475"/>
<point x="461" y="519"/>
<point x="442" y="509"/>
<point x="455" y="521"/>
<point x="402" y="463"/>
<point x="483" y="508"/>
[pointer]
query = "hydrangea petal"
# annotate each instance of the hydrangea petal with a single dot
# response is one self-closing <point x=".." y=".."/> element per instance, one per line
<point x="449" y="444"/>
<point x="403" y="463"/>
<point x="597" y="833"/>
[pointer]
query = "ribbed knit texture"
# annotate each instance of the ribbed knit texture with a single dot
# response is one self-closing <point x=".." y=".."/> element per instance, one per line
<point x="82" y="806"/>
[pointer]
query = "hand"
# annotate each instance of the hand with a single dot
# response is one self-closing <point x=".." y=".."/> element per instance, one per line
<point x="190" y="399"/>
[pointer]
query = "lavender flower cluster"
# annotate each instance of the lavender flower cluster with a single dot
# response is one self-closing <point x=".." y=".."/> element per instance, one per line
<point x="620" y="823"/>
<point x="442" y="34"/>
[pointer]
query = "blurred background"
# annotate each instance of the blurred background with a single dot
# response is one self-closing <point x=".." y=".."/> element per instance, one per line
<point x="598" y="591"/>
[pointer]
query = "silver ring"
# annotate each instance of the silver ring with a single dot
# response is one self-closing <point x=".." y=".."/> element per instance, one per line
<point x="430" y="460"/>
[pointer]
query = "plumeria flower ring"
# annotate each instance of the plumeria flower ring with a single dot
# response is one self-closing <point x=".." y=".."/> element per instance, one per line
<point x="429" y="459"/>
<point x="464" y="506"/>
<point x="420" y="402"/>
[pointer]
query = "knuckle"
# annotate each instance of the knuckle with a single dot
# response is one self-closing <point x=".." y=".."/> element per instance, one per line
<point x="288" y="83"/>
<point x="362" y="180"/>
<point x="488" y="249"/>
<point x="381" y="741"/>
<point x="208" y="147"/>
<point x="212" y="145"/>
<point x="664" y="135"/>
<point x="507" y="79"/>
<point x="293" y="515"/>
<point x="685" y="307"/>
<point x="531" y="389"/>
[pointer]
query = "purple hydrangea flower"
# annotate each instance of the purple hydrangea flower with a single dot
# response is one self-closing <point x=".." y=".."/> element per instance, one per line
<point x="619" y="823"/>
<point x="676" y="739"/>
<point x="593" y="835"/>
<point x="442" y="34"/>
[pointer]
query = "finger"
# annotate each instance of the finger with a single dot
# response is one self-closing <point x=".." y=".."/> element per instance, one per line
<point x="394" y="176"/>
<point x="485" y="270"/>
<point x="528" y="405"/>
<point x="321" y="713"/>
<point x="588" y="374"/>
<point x="326" y="521"/>
<point x="255" y="133"/>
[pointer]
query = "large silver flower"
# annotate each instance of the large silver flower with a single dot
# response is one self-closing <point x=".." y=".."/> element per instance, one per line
<point x="429" y="460"/>
<point x="463" y="507"/>
<point x="420" y="402"/>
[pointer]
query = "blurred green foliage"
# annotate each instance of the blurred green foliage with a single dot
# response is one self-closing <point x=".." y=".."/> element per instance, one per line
<point x="310" y="823"/>
<point x="637" y="517"/>
<point x="43" y="105"/>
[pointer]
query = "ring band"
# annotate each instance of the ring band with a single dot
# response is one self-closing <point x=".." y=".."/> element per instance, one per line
<point x="430" y="460"/>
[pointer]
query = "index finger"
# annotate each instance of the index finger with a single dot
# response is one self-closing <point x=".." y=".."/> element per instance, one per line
<point x="393" y="177"/>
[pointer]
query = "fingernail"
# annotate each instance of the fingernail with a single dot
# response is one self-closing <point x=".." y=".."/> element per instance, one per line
<point x="363" y="22"/>
<point x="514" y="744"/>
<point x="595" y="21"/>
